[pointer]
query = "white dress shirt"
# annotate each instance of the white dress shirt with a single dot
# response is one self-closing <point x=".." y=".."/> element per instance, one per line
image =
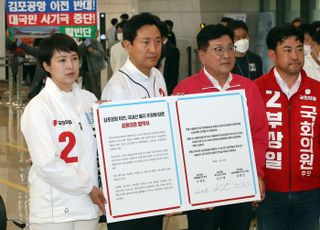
<point x="216" y="83"/>
<point x="130" y="83"/>
<point x="284" y="87"/>
<point x="118" y="56"/>
<point x="311" y="67"/>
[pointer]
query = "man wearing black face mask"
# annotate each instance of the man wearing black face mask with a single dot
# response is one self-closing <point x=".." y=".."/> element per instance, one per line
<point x="247" y="64"/>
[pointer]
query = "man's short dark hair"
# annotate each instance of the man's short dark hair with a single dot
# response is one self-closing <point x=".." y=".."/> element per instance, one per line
<point x="164" y="29"/>
<point x="226" y="20"/>
<point x="316" y="25"/>
<point x="309" y="29"/>
<point x="114" y="21"/>
<point x="279" y="33"/>
<point x="314" y="33"/>
<point x="136" y="22"/>
<point x="56" y="42"/>
<point x="300" y="20"/>
<point x="124" y="16"/>
<point x="121" y="24"/>
<point x="306" y="29"/>
<point x="236" y="24"/>
<point x="316" y="37"/>
<point x="212" y="32"/>
<point x="169" y="23"/>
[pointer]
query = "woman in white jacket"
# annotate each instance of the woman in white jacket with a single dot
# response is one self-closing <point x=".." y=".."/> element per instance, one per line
<point x="58" y="127"/>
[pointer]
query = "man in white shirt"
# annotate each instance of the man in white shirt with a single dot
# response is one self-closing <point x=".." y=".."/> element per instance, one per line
<point x="118" y="54"/>
<point x="137" y="79"/>
<point x="111" y="32"/>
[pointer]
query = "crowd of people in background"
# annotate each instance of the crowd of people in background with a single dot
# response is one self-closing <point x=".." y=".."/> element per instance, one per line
<point x="247" y="63"/>
<point x="283" y="107"/>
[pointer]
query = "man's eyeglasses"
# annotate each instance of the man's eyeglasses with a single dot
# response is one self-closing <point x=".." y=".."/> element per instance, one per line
<point x="219" y="50"/>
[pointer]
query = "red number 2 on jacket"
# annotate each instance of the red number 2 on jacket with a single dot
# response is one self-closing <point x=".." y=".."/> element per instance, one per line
<point x="65" y="152"/>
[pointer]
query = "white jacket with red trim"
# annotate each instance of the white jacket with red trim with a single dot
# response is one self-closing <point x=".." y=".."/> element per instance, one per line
<point x="58" y="129"/>
<point x="130" y="83"/>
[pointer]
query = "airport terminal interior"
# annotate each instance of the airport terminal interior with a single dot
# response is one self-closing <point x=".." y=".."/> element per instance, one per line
<point x="187" y="16"/>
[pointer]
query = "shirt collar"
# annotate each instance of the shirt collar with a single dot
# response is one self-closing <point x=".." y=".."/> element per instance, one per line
<point x="136" y="73"/>
<point x="216" y="83"/>
<point x="50" y="83"/>
<point x="284" y="87"/>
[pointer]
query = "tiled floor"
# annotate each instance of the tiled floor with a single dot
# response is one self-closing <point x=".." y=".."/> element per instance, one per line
<point x="14" y="165"/>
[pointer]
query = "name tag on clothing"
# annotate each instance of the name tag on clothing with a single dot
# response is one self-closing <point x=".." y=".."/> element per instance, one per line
<point x="252" y="67"/>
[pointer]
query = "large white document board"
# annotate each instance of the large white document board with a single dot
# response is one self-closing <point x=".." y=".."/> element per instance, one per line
<point x="173" y="154"/>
